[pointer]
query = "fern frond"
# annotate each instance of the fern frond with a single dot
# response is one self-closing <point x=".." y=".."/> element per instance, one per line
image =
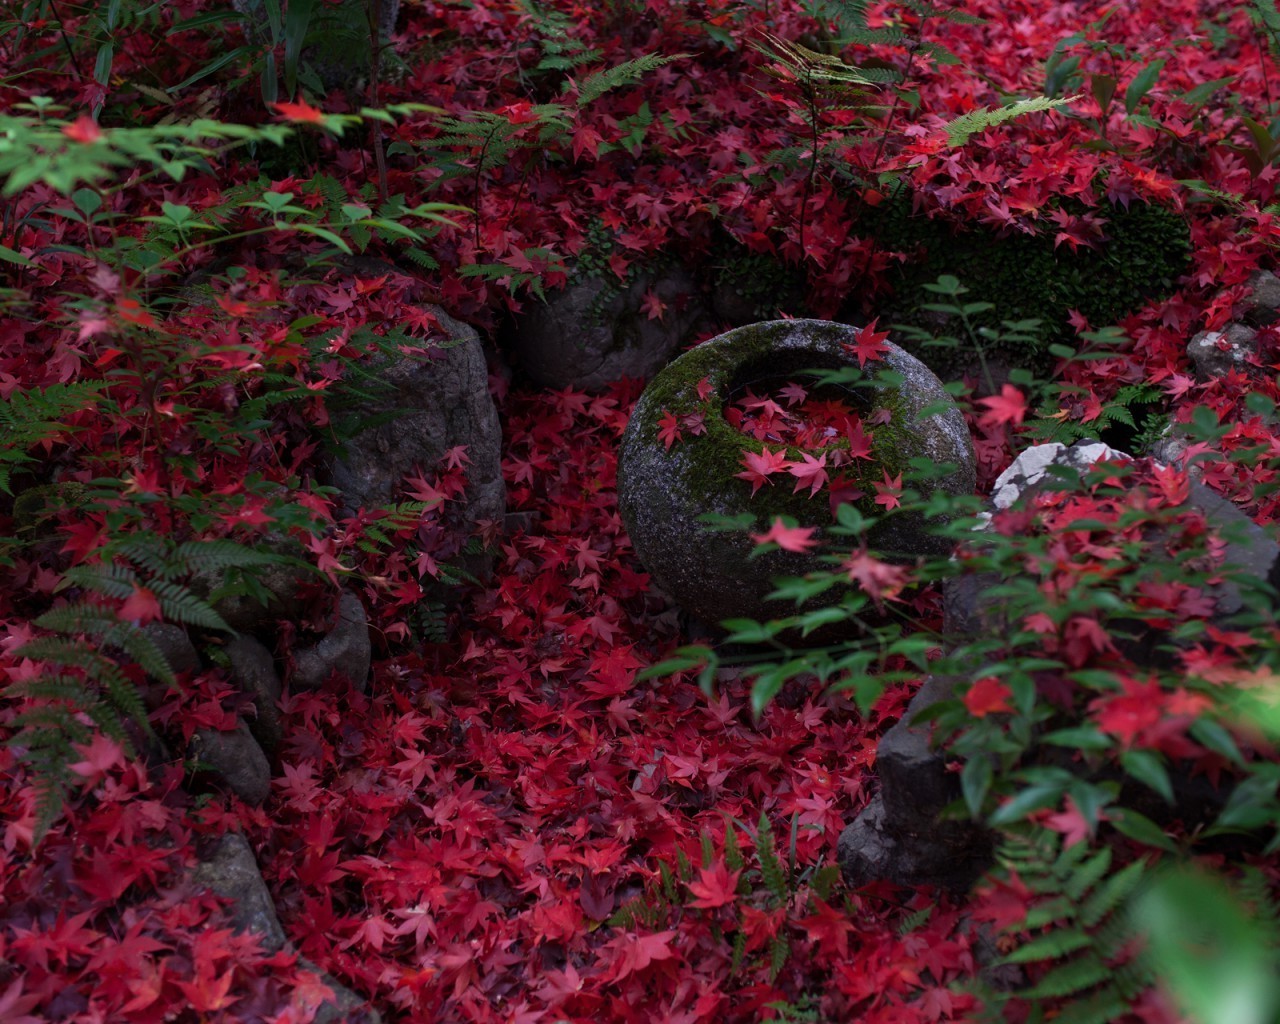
<point x="959" y="130"/>
<point x="628" y="72"/>
<point x="179" y="604"/>
<point x="771" y="868"/>
<point x="1070" y="979"/>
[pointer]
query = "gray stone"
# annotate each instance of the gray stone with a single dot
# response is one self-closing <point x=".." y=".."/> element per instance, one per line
<point x="253" y="671"/>
<point x="662" y="492"/>
<point x="231" y="871"/>
<point x="871" y="850"/>
<point x="174" y="644"/>
<point x="1216" y="353"/>
<point x="237" y="759"/>
<point x="1263" y="303"/>
<point x="252" y="599"/>
<point x="1033" y="467"/>
<point x="346" y="650"/>
<point x="595" y="331"/>
<point x="435" y="403"/>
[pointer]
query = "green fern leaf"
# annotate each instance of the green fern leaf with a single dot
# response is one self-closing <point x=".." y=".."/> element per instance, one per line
<point x="628" y="72"/>
<point x="771" y="868"/>
<point x="1083" y="878"/>
<point x="1071" y="978"/>
<point x="959" y="130"/>
<point x="1111" y="893"/>
<point x="1053" y="946"/>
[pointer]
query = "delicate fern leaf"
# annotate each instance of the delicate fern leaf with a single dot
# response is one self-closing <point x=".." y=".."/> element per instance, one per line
<point x="110" y="580"/>
<point x="684" y="870"/>
<point x="1073" y="977"/>
<point x="1111" y="893"/>
<point x="57" y="650"/>
<point x="82" y="617"/>
<point x="771" y="868"/>
<point x="1100" y="1008"/>
<point x="125" y="698"/>
<point x="914" y="920"/>
<point x="1053" y="946"/>
<point x="1081" y="880"/>
<point x="179" y="604"/>
<point x="733" y="858"/>
<point x="422" y="259"/>
<point x="212" y="555"/>
<point x="959" y="130"/>
<point x="708" y="850"/>
<point x="779" y="950"/>
<point x="628" y="72"/>
<point x="739" y="952"/>
<point x="929" y="10"/>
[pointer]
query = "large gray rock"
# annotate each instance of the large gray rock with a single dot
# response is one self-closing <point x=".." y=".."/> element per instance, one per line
<point x="1263" y="303"/>
<point x="433" y="403"/>
<point x="1215" y="353"/>
<point x="345" y="650"/>
<point x="253" y="671"/>
<point x="229" y="869"/>
<point x="596" y="331"/>
<point x="236" y="758"/>
<point x="663" y="491"/>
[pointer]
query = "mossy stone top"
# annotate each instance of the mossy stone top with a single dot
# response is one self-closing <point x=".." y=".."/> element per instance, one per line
<point x="663" y="491"/>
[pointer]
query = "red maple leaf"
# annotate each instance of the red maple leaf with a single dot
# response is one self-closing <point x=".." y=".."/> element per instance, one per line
<point x="302" y="113"/>
<point x="668" y="429"/>
<point x="889" y="493"/>
<point x="986" y="697"/>
<point x="715" y="886"/>
<point x="870" y="344"/>
<point x="633" y="953"/>
<point x="141" y="607"/>
<point x="761" y="467"/>
<point x="83" y="129"/>
<point x="811" y="472"/>
<point x="789" y="538"/>
<point x="880" y="580"/>
<point x="1010" y="406"/>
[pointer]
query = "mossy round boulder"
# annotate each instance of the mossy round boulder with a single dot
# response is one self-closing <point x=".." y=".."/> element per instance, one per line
<point x="663" y="490"/>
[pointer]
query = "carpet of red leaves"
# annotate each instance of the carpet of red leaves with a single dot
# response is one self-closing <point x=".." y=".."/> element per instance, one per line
<point x="453" y="845"/>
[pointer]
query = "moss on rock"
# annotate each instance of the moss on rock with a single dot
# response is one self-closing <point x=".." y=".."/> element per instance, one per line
<point x="663" y="491"/>
<point x="1145" y="248"/>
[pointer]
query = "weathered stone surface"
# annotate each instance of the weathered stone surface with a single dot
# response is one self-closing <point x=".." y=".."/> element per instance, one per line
<point x="231" y="871"/>
<point x="346" y="650"/>
<point x="172" y="640"/>
<point x="253" y="670"/>
<point x="594" y="333"/>
<point x="1216" y="353"/>
<point x="871" y="850"/>
<point x="237" y="759"/>
<point x="272" y="594"/>
<point x="1034" y="467"/>
<point x="435" y="403"/>
<point x="662" y="492"/>
<point x="1261" y="306"/>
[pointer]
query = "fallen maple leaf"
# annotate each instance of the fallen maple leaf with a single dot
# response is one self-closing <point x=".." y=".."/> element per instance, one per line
<point x="715" y="886"/>
<point x="1010" y="406"/>
<point x="83" y="129"/>
<point x="789" y="538"/>
<point x="811" y="471"/>
<point x="986" y="697"/>
<point x="761" y="467"/>
<point x="303" y="113"/>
